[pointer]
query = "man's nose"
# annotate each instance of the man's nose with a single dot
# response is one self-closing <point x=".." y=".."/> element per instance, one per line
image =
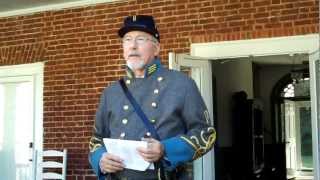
<point x="133" y="44"/>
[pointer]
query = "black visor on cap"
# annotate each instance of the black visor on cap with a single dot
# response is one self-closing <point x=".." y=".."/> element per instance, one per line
<point x="139" y="23"/>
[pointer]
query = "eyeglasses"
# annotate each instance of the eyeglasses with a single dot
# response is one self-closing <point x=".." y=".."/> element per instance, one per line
<point x="140" y="40"/>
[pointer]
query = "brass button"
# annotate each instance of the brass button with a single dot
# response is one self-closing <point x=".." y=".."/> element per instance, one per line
<point x="128" y="81"/>
<point x="156" y="91"/>
<point x="148" y="134"/>
<point x="122" y="135"/>
<point x="153" y="120"/>
<point x="160" y="79"/>
<point x="125" y="107"/>
<point x="124" y="121"/>
<point x="154" y="104"/>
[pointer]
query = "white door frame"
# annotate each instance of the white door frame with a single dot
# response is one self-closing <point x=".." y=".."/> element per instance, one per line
<point x="257" y="47"/>
<point x="34" y="71"/>
<point x="203" y="168"/>
<point x="307" y="44"/>
<point x="315" y="123"/>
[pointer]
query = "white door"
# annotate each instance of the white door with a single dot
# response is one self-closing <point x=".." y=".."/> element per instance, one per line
<point x="16" y="127"/>
<point x="290" y="136"/>
<point x="20" y="129"/>
<point x="200" y="70"/>
<point x="314" y="66"/>
<point x="303" y="137"/>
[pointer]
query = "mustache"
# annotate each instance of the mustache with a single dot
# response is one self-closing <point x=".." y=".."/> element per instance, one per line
<point x="134" y="54"/>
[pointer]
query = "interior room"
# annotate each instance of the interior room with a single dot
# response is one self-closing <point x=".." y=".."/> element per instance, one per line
<point x="263" y="118"/>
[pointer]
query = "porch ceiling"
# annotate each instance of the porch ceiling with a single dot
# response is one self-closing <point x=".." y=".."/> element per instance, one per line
<point x="13" y="5"/>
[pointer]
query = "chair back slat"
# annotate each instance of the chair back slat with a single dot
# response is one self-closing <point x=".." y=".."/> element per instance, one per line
<point x="52" y="153"/>
<point x="51" y="175"/>
<point x="53" y="165"/>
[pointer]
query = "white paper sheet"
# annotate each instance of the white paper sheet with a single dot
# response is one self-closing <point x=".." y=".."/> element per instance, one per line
<point x="127" y="150"/>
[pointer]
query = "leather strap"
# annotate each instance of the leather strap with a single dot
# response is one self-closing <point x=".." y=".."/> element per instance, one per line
<point x="139" y="111"/>
<point x="147" y="124"/>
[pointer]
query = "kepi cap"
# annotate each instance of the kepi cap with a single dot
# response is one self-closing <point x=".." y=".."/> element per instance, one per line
<point x="139" y="23"/>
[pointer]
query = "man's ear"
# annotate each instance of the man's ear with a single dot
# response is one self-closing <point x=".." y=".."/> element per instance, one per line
<point x="157" y="49"/>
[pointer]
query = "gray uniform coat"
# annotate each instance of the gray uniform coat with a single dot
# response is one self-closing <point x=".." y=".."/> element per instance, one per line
<point x="173" y="104"/>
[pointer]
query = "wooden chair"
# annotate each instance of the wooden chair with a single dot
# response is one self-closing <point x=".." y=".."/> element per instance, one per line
<point x="52" y="163"/>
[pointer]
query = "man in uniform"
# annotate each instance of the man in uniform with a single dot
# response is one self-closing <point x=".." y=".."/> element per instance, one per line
<point x="170" y="100"/>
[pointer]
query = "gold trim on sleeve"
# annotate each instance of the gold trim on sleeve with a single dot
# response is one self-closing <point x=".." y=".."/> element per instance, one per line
<point x="189" y="142"/>
<point x="202" y="145"/>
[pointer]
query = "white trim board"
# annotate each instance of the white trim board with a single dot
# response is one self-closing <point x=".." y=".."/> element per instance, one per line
<point x="257" y="47"/>
<point x="21" y="69"/>
<point x="53" y="7"/>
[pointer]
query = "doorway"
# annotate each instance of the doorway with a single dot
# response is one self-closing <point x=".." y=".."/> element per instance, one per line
<point x="291" y="116"/>
<point x="16" y="123"/>
<point x="252" y="50"/>
<point x="20" y="119"/>
<point x="261" y="140"/>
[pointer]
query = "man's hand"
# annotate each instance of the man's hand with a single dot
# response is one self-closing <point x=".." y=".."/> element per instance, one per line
<point x="110" y="163"/>
<point x="153" y="152"/>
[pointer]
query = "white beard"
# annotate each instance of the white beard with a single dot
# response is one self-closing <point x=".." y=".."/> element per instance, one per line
<point x="136" y="65"/>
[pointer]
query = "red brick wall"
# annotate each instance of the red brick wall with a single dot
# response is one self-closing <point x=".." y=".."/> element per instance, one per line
<point x="82" y="52"/>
